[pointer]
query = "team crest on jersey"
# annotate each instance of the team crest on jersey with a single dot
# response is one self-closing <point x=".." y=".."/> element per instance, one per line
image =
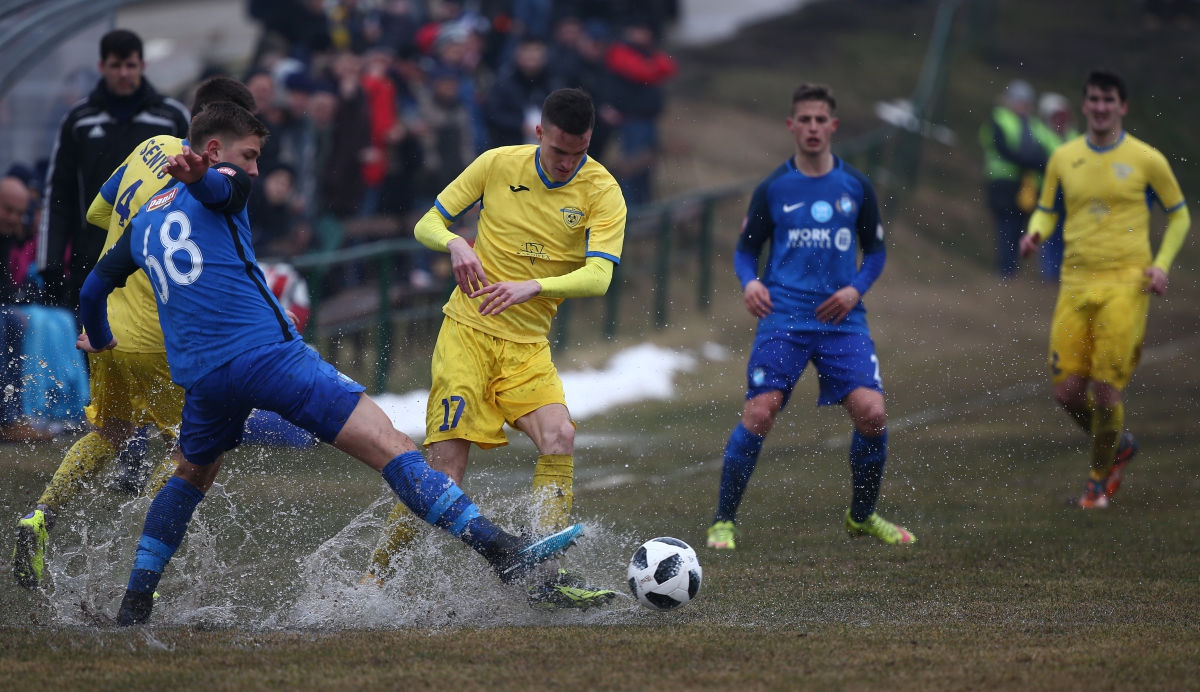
<point x="822" y="211"/>
<point x="226" y="170"/>
<point x="534" y="251"/>
<point x="572" y="216"/>
<point x="162" y="199"/>
<point x="846" y="205"/>
<point x="1123" y="170"/>
<point x="841" y="240"/>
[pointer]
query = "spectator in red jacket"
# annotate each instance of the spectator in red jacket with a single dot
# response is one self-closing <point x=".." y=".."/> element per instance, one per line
<point x="640" y="70"/>
<point x="380" y="95"/>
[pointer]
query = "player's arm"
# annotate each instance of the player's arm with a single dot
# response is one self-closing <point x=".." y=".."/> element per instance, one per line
<point x="605" y="239"/>
<point x="433" y="232"/>
<point x="757" y="229"/>
<point x="100" y="212"/>
<point x="869" y="226"/>
<point x="108" y="275"/>
<point x="1045" y="216"/>
<point x="1166" y="188"/>
<point x="457" y="199"/>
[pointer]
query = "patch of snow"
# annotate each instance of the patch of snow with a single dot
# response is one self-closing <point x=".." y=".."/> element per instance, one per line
<point x="642" y="373"/>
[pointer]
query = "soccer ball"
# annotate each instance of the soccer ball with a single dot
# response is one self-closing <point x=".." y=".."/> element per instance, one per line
<point x="664" y="574"/>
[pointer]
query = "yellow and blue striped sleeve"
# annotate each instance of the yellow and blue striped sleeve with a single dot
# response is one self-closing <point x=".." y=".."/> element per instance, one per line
<point x="467" y="189"/>
<point x="605" y="234"/>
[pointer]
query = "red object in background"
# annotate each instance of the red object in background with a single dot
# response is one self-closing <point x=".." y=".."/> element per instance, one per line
<point x="290" y="289"/>
<point x="20" y="258"/>
<point x="630" y="63"/>
<point x="381" y="113"/>
<point x="427" y="36"/>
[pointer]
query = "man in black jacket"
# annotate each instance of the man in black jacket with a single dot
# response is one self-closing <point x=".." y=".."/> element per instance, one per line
<point x="97" y="134"/>
<point x="514" y="105"/>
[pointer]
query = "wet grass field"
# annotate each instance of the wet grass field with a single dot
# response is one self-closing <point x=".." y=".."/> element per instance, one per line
<point x="1006" y="588"/>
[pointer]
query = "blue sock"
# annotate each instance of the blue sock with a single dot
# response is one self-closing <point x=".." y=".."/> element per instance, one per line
<point x="741" y="455"/>
<point x="434" y="497"/>
<point x="868" y="455"/>
<point x="166" y="522"/>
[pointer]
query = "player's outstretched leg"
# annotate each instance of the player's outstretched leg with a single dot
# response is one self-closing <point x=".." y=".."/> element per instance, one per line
<point x="82" y="463"/>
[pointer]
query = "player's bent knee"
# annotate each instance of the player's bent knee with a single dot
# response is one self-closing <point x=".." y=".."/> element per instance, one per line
<point x="759" y="414"/>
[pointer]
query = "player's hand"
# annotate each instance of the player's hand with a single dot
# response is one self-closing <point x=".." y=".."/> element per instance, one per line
<point x="1029" y="244"/>
<point x="468" y="270"/>
<point x="837" y="306"/>
<point x="292" y="317"/>
<point x="83" y="343"/>
<point x="501" y="295"/>
<point x="1158" y="281"/>
<point x="758" y="299"/>
<point x="188" y="167"/>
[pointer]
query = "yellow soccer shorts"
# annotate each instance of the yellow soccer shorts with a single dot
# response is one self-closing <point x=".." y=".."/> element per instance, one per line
<point x="1097" y="331"/>
<point x="134" y="387"/>
<point x="481" y="382"/>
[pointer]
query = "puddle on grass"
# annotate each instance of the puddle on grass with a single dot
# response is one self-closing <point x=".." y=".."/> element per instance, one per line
<point x="236" y="570"/>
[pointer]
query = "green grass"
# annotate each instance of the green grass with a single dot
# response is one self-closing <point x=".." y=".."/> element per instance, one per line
<point x="1007" y="588"/>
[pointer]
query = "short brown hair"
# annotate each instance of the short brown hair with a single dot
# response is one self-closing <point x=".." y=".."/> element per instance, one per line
<point x="222" y="89"/>
<point x="224" y="120"/>
<point x="814" y="92"/>
<point x="1104" y="80"/>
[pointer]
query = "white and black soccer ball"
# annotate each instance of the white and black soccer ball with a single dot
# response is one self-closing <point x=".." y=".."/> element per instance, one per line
<point x="664" y="574"/>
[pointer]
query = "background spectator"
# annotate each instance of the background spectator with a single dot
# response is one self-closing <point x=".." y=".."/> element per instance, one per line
<point x="276" y="216"/>
<point x="122" y="111"/>
<point x="514" y="104"/>
<point x="1055" y="126"/>
<point x="640" y="70"/>
<point x="1013" y="158"/>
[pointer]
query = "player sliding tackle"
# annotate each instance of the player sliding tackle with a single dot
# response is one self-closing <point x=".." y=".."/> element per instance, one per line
<point x="1107" y="180"/>
<point x="232" y="349"/>
<point x="552" y="227"/>
<point x="816" y="211"/>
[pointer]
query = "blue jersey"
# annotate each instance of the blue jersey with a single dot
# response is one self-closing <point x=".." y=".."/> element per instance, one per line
<point x="816" y="226"/>
<point x="213" y="302"/>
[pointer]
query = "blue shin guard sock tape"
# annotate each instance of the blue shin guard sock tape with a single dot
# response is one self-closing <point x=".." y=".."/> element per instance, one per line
<point x="166" y="523"/>
<point x="741" y="456"/>
<point x="437" y="499"/>
<point x="868" y="456"/>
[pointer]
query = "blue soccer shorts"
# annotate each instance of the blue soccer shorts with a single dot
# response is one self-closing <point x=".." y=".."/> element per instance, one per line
<point x="844" y="362"/>
<point x="288" y="378"/>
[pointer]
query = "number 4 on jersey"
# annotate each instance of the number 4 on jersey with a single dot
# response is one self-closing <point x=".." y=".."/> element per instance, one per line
<point x="122" y="208"/>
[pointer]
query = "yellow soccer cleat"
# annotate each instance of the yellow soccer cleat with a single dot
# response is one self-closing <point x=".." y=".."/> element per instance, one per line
<point x="29" y="553"/>
<point x="880" y="528"/>
<point x="720" y="535"/>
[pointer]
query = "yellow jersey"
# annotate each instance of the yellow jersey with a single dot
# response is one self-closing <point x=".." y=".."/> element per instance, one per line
<point x="531" y="227"/>
<point x="132" y="312"/>
<point x="1107" y="193"/>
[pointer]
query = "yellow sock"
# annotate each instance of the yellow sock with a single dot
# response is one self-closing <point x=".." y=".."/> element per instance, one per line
<point x="161" y="475"/>
<point x="400" y="530"/>
<point x="552" y="480"/>
<point x="82" y="462"/>
<point x="1084" y="416"/>
<point x="1107" y="424"/>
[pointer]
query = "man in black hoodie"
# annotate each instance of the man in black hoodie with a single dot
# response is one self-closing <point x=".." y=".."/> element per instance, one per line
<point x="97" y="134"/>
<point x="514" y="105"/>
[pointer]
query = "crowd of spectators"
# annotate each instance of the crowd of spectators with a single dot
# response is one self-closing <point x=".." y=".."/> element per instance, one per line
<point x="374" y="107"/>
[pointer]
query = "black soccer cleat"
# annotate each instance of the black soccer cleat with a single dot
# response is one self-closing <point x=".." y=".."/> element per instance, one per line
<point x="135" y="608"/>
